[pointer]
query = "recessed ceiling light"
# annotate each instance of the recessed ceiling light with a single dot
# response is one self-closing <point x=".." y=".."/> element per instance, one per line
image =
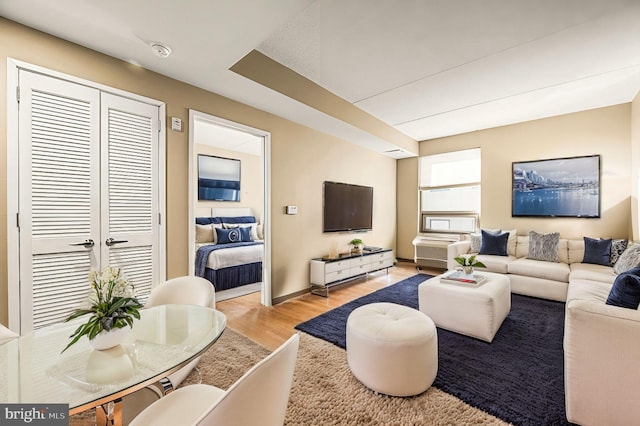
<point x="160" y="50"/>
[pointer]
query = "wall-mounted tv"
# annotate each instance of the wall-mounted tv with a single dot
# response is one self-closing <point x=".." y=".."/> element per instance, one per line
<point x="218" y="178"/>
<point x="560" y="187"/>
<point x="347" y="207"/>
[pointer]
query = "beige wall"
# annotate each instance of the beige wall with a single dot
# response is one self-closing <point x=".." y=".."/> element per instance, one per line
<point x="301" y="159"/>
<point x="635" y="168"/>
<point x="250" y="179"/>
<point x="407" y="206"/>
<point x="604" y="131"/>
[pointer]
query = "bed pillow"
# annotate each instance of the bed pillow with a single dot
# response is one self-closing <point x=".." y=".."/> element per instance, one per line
<point x="544" y="246"/>
<point x="495" y="244"/>
<point x="205" y="234"/>
<point x="253" y="228"/>
<point x="597" y="252"/>
<point x="235" y="235"/>
<point x="625" y="291"/>
<point x="617" y="248"/>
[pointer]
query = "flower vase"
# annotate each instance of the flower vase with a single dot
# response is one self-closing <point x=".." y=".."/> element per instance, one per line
<point x="468" y="270"/>
<point x="108" y="339"/>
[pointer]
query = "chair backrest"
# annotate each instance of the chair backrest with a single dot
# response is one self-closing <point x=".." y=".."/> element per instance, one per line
<point x="260" y="397"/>
<point x="6" y="334"/>
<point x="187" y="290"/>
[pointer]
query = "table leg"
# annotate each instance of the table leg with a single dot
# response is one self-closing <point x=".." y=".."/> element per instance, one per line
<point x="109" y="414"/>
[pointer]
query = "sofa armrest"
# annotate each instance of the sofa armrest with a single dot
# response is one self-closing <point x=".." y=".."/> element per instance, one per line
<point x="601" y="351"/>
<point x="456" y="249"/>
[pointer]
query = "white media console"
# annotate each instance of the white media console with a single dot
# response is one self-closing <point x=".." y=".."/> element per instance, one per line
<point x="326" y="272"/>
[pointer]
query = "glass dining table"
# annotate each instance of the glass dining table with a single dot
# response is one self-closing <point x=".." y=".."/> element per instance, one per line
<point x="34" y="371"/>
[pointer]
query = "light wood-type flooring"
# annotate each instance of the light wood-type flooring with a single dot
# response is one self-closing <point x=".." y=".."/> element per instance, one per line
<point x="271" y="326"/>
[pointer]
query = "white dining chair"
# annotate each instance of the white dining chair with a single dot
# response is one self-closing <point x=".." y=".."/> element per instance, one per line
<point x="186" y="290"/>
<point x="259" y="398"/>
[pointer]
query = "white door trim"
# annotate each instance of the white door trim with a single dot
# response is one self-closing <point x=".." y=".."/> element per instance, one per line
<point x="265" y="297"/>
<point x="13" y="244"/>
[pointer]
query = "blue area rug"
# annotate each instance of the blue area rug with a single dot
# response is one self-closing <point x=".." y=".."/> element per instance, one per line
<point x="519" y="377"/>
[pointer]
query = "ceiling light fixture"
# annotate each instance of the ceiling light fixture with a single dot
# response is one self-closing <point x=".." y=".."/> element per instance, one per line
<point x="160" y="50"/>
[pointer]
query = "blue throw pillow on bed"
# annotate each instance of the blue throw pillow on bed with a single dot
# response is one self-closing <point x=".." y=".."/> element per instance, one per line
<point x="625" y="291"/>
<point x="597" y="252"/>
<point x="235" y="235"/>
<point x="495" y="244"/>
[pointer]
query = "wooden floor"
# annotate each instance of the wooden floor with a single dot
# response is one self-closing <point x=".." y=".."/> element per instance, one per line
<point x="271" y="326"/>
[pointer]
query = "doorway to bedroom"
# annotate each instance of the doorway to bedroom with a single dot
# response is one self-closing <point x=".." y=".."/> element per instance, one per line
<point x="228" y="206"/>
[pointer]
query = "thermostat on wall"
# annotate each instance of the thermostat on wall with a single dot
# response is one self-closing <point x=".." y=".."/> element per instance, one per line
<point x="176" y="124"/>
<point x="291" y="209"/>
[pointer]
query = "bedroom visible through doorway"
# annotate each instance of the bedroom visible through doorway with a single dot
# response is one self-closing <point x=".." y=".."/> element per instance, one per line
<point x="228" y="236"/>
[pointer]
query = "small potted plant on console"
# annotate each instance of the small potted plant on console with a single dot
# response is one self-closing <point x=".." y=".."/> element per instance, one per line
<point x="356" y="244"/>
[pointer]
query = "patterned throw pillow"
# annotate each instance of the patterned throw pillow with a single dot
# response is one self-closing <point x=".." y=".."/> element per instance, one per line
<point x="627" y="260"/>
<point x="544" y="246"/>
<point x="235" y="235"/>
<point x="617" y="248"/>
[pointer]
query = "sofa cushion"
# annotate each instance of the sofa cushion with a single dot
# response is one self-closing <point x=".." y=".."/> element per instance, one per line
<point x="555" y="271"/>
<point x="629" y="259"/>
<point x="495" y="244"/>
<point x="597" y="251"/>
<point x="617" y="248"/>
<point x="625" y="291"/>
<point x="584" y="289"/>
<point x="493" y="263"/>
<point x="576" y="251"/>
<point x="591" y="272"/>
<point x="543" y="246"/>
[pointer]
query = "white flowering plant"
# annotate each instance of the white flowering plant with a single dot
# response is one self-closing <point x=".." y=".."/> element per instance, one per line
<point x="112" y="305"/>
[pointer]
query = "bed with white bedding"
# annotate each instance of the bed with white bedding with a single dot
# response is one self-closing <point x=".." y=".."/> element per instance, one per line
<point x="229" y="249"/>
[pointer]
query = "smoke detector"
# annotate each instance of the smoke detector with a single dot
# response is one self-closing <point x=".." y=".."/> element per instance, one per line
<point x="160" y="50"/>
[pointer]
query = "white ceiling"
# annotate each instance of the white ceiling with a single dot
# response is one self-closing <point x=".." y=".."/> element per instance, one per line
<point x="207" y="133"/>
<point x="429" y="68"/>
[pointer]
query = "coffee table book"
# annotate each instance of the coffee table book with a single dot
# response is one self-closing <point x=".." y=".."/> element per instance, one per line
<point x="459" y="277"/>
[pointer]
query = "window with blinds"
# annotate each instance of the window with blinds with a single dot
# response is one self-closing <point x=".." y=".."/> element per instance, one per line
<point x="449" y="185"/>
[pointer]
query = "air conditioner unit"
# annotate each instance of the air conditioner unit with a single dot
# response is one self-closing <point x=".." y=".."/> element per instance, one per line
<point x="431" y="251"/>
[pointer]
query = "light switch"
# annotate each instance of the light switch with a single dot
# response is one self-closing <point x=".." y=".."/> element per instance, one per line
<point x="292" y="210"/>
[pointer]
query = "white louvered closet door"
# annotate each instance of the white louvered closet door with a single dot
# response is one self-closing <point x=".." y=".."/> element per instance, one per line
<point x="129" y="190"/>
<point x="88" y="194"/>
<point x="59" y="183"/>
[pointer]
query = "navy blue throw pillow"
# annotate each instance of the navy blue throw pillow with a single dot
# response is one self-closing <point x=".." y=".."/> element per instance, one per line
<point x="625" y="291"/>
<point x="597" y="252"/>
<point x="234" y="235"/>
<point x="494" y="243"/>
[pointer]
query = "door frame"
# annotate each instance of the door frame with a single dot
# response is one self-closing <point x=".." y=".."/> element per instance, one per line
<point x="265" y="289"/>
<point x="13" y="236"/>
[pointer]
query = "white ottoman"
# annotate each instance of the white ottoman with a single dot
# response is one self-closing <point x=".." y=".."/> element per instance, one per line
<point x="476" y="311"/>
<point x="392" y="349"/>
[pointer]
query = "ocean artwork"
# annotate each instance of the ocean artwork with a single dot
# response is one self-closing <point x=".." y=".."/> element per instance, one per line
<point x="563" y="187"/>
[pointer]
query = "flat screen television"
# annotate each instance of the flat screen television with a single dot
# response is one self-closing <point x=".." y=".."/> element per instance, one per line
<point x="218" y="178"/>
<point x="347" y="207"/>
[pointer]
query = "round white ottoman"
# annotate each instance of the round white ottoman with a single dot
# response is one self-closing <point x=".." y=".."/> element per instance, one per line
<point x="392" y="349"/>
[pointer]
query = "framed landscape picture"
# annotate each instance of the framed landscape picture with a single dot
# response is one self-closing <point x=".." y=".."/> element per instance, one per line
<point x="561" y="187"/>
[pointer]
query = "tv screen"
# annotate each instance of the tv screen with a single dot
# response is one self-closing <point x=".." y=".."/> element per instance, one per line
<point x="218" y="178"/>
<point x="347" y="207"/>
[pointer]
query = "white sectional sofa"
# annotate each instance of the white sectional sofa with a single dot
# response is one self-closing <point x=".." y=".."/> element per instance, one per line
<point x="538" y="278"/>
<point x="601" y="342"/>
